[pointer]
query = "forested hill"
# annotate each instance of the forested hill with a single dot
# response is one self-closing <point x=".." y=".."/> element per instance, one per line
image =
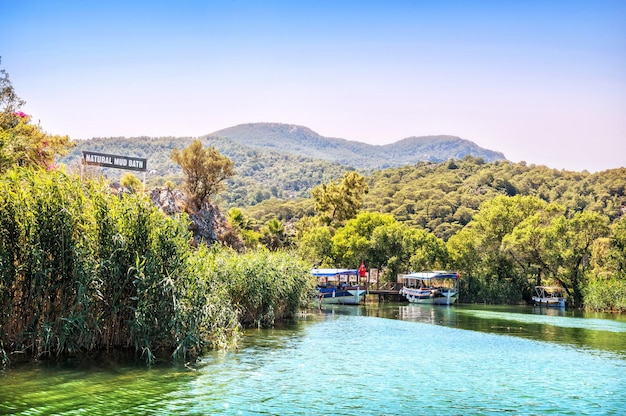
<point x="278" y="160"/>
<point x="305" y="142"/>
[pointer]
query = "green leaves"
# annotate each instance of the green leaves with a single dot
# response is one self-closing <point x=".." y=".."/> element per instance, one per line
<point x="205" y="170"/>
<point x="340" y="201"/>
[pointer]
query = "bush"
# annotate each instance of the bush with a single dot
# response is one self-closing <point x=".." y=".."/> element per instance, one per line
<point x="606" y="295"/>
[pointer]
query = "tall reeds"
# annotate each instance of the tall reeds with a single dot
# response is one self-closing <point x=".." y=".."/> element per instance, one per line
<point x="83" y="269"/>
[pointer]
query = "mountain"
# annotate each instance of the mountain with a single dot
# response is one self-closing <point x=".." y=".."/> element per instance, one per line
<point x="277" y="160"/>
<point x="305" y="142"/>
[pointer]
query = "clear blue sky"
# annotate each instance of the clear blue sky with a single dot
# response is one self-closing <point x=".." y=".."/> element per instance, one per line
<point x="541" y="81"/>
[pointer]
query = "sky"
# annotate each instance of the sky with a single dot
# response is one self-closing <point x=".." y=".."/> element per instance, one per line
<point x="541" y="81"/>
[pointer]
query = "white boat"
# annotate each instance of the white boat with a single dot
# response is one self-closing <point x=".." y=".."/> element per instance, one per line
<point x="339" y="286"/>
<point x="438" y="288"/>
<point x="551" y="296"/>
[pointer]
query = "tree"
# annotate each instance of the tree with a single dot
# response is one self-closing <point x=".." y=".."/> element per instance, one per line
<point x="205" y="170"/>
<point x="9" y="101"/>
<point x="131" y="182"/>
<point x="274" y="235"/>
<point x="245" y="226"/>
<point x="530" y="241"/>
<point x="23" y="143"/>
<point x="316" y="246"/>
<point x="340" y="201"/>
<point x="573" y="249"/>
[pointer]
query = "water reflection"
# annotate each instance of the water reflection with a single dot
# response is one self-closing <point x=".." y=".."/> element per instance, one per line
<point x="571" y="327"/>
<point x="431" y="314"/>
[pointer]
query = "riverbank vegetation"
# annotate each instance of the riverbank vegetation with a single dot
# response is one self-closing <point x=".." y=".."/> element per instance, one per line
<point x="83" y="269"/>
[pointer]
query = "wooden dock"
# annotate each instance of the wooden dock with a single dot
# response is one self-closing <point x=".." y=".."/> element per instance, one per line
<point x="389" y="291"/>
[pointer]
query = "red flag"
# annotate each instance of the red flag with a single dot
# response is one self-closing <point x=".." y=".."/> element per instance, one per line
<point x="362" y="270"/>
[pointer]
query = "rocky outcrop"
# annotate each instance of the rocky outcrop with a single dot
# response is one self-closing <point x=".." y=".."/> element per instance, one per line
<point x="208" y="224"/>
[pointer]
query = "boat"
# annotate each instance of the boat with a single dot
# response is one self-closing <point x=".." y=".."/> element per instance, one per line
<point x="551" y="296"/>
<point x="339" y="286"/>
<point x="437" y="287"/>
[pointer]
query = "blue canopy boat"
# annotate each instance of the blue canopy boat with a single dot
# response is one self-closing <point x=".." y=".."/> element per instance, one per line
<point x="339" y="286"/>
<point x="438" y="288"/>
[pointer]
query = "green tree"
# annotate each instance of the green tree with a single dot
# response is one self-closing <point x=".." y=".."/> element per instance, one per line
<point x="572" y="250"/>
<point x="244" y="226"/>
<point x="205" y="171"/>
<point x="274" y="235"/>
<point x="21" y="142"/>
<point x="352" y="243"/>
<point x="316" y="246"/>
<point x="131" y="182"/>
<point x="490" y="272"/>
<point x="340" y="201"/>
<point x="530" y="241"/>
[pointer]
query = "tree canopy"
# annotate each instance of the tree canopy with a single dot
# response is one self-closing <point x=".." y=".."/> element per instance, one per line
<point x="23" y="143"/>
<point x="340" y="201"/>
<point x="205" y="170"/>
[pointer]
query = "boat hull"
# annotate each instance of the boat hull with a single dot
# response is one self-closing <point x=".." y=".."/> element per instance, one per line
<point x="350" y="296"/>
<point x="549" y="302"/>
<point x="430" y="297"/>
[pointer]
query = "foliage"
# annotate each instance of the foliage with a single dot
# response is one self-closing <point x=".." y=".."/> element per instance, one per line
<point x="131" y="182"/>
<point x="275" y="236"/>
<point x="245" y="227"/>
<point x="83" y="269"/>
<point x="378" y="240"/>
<point x="606" y="294"/>
<point x="21" y="142"/>
<point x="9" y="100"/>
<point x="264" y="286"/>
<point x="340" y="201"/>
<point x="315" y="245"/>
<point x="606" y="289"/>
<point x="514" y="243"/>
<point x="205" y="170"/>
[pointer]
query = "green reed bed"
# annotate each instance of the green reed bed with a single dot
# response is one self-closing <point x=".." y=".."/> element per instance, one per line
<point x="82" y="269"/>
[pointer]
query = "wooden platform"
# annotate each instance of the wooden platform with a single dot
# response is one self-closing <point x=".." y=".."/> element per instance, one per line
<point x="388" y="292"/>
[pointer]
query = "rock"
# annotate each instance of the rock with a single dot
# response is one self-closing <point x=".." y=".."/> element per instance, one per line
<point x="208" y="224"/>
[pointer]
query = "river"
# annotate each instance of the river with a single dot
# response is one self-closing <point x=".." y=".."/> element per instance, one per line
<point x="377" y="359"/>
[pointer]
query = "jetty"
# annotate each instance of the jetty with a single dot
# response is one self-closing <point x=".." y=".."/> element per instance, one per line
<point x="388" y="291"/>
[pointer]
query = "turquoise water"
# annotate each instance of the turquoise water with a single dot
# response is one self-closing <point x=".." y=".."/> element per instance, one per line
<point x="389" y="359"/>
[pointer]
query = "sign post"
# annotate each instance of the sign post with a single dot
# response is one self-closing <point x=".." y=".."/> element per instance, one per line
<point x="118" y="162"/>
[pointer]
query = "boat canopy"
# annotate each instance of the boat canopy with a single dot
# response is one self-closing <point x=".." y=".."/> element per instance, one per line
<point x="333" y="272"/>
<point x="432" y="275"/>
<point x="549" y="290"/>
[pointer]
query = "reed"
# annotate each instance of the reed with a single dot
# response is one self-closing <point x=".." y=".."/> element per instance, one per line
<point x="82" y="269"/>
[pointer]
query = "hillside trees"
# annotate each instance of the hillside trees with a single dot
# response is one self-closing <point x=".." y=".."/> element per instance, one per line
<point x="377" y="239"/>
<point x="514" y="243"/>
<point x="205" y="170"/>
<point x="340" y="201"/>
<point x="606" y="289"/>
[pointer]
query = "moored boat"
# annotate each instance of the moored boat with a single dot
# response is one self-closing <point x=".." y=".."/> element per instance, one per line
<point x="551" y="296"/>
<point x="438" y="288"/>
<point x="339" y="286"/>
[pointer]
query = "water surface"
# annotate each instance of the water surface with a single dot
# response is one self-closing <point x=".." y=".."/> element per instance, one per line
<point x="387" y="359"/>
